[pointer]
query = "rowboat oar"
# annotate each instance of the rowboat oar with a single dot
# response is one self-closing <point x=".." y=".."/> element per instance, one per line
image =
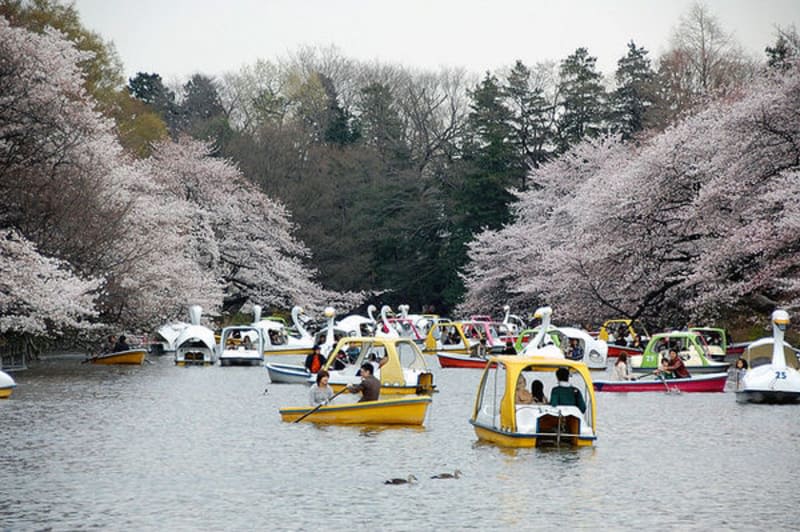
<point x="645" y="375"/>
<point x="669" y="390"/>
<point x="301" y="418"/>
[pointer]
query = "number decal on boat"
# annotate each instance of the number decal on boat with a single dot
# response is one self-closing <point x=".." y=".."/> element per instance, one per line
<point x="780" y="374"/>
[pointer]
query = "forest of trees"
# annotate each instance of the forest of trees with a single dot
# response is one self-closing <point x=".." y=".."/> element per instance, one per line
<point x="661" y="190"/>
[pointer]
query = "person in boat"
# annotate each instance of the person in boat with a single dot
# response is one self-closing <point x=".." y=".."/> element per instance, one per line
<point x="575" y="350"/>
<point x="453" y="338"/>
<point x="111" y="341"/>
<point x="537" y="392"/>
<point x="315" y="360"/>
<point x="321" y="392"/>
<point x="621" y="371"/>
<point x="122" y="344"/>
<point x="509" y="349"/>
<point x="480" y="350"/>
<point x="675" y="366"/>
<point x="741" y="369"/>
<point x="522" y="396"/>
<point x="565" y="394"/>
<point x="247" y="343"/>
<point x="369" y="387"/>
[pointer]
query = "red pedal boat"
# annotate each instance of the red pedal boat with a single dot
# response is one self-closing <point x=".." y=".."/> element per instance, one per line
<point x="709" y="382"/>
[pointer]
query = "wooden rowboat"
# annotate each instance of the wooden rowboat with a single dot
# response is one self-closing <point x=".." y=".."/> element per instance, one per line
<point x="131" y="356"/>
<point x="709" y="382"/>
<point x="399" y="410"/>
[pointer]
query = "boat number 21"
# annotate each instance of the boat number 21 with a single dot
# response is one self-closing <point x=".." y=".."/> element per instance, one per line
<point x="780" y="374"/>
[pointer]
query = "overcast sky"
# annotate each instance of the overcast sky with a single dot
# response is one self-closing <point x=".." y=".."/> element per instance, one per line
<point x="176" y="38"/>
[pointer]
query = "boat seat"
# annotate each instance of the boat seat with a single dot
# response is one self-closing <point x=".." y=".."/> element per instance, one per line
<point x="526" y="418"/>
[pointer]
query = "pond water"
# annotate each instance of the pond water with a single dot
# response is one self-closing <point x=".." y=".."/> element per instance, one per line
<point x="160" y="447"/>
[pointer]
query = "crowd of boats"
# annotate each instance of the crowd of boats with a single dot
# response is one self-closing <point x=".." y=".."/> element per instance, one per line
<point x="547" y="359"/>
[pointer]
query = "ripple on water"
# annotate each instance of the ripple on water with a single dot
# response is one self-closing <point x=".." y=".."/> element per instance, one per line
<point x="160" y="447"/>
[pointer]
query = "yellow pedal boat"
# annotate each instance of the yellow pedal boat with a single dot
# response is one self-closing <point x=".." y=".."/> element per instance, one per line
<point x="499" y="417"/>
<point x="398" y="410"/>
<point x="131" y="356"/>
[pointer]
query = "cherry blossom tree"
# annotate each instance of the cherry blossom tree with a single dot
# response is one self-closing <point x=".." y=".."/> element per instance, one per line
<point x="238" y="233"/>
<point x="696" y="222"/>
<point x="40" y="295"/>
<point x="116" y="242"/>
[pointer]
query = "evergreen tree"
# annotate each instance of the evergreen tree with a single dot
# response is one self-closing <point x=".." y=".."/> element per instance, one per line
<point x="381" y="126"/>
<point x="150" y="89"/>
<point x="530" y="121"/>
<point x="583" y="99"/>
<point x="635" y="93"/>
<point x="202" y="114"/>
<point x="340" y="128"/>
<point x="786" y="50"/>
<point x="496" y="163"/>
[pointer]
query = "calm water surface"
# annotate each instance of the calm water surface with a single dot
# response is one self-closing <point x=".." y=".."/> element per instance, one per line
<point x="160" y="447"/>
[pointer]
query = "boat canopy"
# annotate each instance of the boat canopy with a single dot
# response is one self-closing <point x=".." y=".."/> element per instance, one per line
<point x="759" y="353"/>
<point x="690" y="346"/>
<point x="356" y="350"/>
<point x="196" y="336"/>
<point x="495" y="403"/>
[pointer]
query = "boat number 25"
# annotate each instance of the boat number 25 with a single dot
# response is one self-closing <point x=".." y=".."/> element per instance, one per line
<point x="780" y="374"/>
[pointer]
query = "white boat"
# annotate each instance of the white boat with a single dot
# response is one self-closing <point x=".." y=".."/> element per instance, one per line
<point x="279" y="339"/>
<point x="777" y="382"/>
<point x="357" y="325"/>
<point x="165" y="337"/>
<point x="241" y="345"/>
<point x="594" y="352"/>
<point x="195" y="344"/>
<point x="7" y="385"/>
<point x="542" y="345"/>
<point x="287" y="373"/>
<point x="298" y="374"/>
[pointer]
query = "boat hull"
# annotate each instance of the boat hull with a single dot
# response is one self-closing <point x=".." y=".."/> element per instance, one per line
<point x="385" y="390"/>
<point x="515" y="439"/>
<point x="287" y="373"/>
<point x="240" y="362"/>
<point x="768" y="397"/>
<point x="395" y="411"/>
<point x="616" y="350"/>
<point x="132" y="357"/>
<point x="701" y="383"/>
<point x="693" y="370"/>
<point x="7" y="385"/>
<point x="448" y="360"/>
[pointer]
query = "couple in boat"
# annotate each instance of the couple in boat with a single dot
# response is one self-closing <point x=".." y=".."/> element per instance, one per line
<point x="671" y="367"/>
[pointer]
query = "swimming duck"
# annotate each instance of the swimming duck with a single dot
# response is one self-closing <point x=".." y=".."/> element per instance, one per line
<point x="410" y="480"/>
<point x="454" y="474"/>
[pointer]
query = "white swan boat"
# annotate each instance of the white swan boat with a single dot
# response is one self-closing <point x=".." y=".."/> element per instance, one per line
<point x="7" y="385"/>
<point x="777" y="382"/>
<point x="195" y="343"/>
<point x="241" y="345"/>
<point x="279" y="339"/>
<point x="298" y="374"/>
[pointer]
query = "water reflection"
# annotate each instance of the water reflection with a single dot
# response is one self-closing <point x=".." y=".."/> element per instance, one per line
<point x="159" y="447"/>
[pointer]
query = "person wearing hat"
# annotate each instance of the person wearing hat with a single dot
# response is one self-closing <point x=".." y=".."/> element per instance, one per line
<point x="315" y="360"/>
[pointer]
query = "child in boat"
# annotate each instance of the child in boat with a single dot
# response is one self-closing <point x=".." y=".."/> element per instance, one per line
<point x="320" y="393"/>
<point x="740" y="369"/>
<point x="537" y="392"/>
